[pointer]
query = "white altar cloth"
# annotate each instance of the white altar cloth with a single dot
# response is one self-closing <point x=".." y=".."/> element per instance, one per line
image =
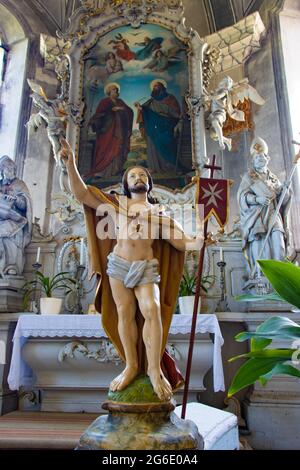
<point x="89" y="326"/>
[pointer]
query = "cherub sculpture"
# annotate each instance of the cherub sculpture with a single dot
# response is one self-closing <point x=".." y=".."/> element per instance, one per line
<point x="52" y="113"/>
<point x="223" y="102"/>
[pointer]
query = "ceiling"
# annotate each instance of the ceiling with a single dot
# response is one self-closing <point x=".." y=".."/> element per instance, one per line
<point x="205" y="16"/>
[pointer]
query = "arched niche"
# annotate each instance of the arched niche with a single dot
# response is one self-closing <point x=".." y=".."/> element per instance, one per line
<point x="13" y="35"/>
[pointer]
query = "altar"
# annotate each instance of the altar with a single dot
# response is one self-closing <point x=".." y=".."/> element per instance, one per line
<point x="68" y="362"/>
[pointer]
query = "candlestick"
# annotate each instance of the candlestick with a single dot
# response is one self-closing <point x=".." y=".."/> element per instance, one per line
<point x="222" y="305"/>
<point x="36" y="267"/>
<point x="81" y="252"/>
<point x="38" y="254"/>
<point x="79" y="288"/>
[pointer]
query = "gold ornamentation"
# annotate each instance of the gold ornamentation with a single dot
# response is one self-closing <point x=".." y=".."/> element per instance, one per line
<point x="231" y="126"/>
<point x="72" y="238"/>
<point x="210" y="60"/>
<point x="145" y="3"/>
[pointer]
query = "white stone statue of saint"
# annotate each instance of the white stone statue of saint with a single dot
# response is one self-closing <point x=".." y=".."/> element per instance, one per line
<point x="222" y="102"/>
<point x="15" y="219"/>
<point x="258" y="196"/>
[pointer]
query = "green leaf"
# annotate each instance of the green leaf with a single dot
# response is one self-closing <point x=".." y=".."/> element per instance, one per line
<point x="285" y="279"/>
<point x="272" y="324"/>
<point x="63" y="286"/>
<point x="274" y="327"/>
<point x="258" y="344"/>
<point x="283" y="354"/>
<point x="60" y="277"/>
<point x="189" y="281"/>
<point x="250" y="372"/>
<point x="280" y="369"/>
<point x="39" y="274"/>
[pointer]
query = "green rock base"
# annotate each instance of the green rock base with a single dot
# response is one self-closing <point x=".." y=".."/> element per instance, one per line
<point x="139" y="391"/>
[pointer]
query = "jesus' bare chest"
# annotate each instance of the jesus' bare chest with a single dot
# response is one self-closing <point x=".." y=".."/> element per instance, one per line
<point x="137" y="225"/>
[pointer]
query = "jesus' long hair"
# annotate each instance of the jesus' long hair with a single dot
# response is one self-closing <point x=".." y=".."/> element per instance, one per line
<point x="126" y="190"/>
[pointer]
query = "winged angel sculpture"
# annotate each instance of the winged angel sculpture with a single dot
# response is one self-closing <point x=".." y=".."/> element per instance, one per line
<point x="53" y="114"/>
<point x="223" y="102"/>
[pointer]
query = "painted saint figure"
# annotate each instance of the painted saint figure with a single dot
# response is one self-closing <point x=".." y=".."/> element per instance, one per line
<point x="112" y="123"/>
<point x="113" y="65"/>
<point x="136" y="293"/>
<point x="159" y="120"/>
<point x="258" y="195"/>
<point x="150" y="45"/>
<point x="159" y="62"/>
<point x="15" y="219"/>
<point x="120" y="45"/>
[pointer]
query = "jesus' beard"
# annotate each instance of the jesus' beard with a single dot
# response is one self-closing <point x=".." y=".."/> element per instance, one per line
<point x="139" y="188"/>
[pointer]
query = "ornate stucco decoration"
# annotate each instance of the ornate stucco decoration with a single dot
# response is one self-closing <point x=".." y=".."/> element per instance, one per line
<point x="238" y="42"/>
<point x="66" y="210"/>
<point x="105" y="353"/>
<point x="137" y="11"/>
<point x="195" y="103"/>
<point x="37" y="235"/>
<point x="54" y="51"/>
<point x="211" y="59"/>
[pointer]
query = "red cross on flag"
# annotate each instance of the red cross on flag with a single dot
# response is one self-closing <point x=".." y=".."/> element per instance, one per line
<point x="213" y="194"/>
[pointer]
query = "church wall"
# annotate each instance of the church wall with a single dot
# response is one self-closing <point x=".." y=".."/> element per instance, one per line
<point x="290" y="33"/>
<point x="22" y="29"/>
<point x="12" y="87"/>
<point x="12" y="98"/>
<point x="196" y="17"/>
<point x="266" y="119"/>
<point x="290" y="28"/>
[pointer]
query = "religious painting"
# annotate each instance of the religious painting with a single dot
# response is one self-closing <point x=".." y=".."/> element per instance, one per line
<point x="134" y="84"/>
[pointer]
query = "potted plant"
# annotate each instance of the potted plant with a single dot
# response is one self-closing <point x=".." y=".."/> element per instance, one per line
<point x="187" y="291"/>
<point x="264" y="362"/>
<point x="46" y="286"/>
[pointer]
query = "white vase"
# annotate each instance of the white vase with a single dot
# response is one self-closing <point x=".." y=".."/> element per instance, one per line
<point x="186" y="304"/>
<point x="50" y="305"/>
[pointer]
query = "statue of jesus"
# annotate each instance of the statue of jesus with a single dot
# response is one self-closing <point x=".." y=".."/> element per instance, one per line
<point x="139" y="269"/>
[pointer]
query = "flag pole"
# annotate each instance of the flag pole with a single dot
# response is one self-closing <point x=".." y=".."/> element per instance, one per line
<point x="194" y="323"/>
<point x="212" y="169"/>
